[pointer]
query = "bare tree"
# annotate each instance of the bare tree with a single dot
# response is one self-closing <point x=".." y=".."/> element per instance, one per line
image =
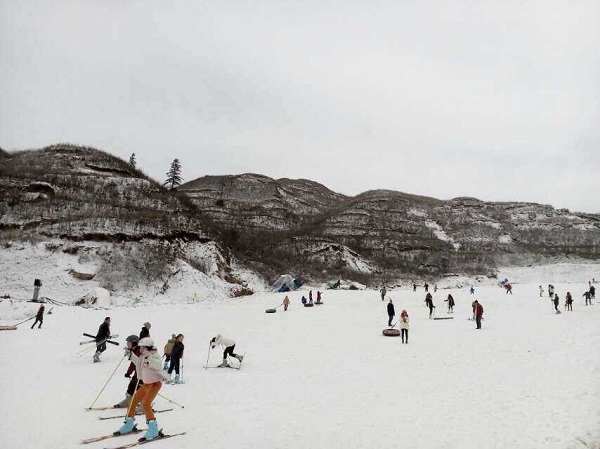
<point x="174" y="178"/>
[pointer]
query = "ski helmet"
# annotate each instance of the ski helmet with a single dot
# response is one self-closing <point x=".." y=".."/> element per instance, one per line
<point x="133" y="339"/>
<point x="147" y="342"/>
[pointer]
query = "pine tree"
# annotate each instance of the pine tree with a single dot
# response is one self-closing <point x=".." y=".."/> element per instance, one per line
<point x="174" y="175"/>
<point x="132" y="161"/>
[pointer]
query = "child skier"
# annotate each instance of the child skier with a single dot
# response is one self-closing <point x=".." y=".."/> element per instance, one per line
<point x="148" y="365"/>
<point x="404" y="326"/>
<point x="176" y="356"/>
<point x="39" y="317"/>
<point x="429" y="303"/>
<point x="229" y="346"/>
<point x="134" y="383"/>
<point x="167" y="350"/>
<point x="101" y="337"/>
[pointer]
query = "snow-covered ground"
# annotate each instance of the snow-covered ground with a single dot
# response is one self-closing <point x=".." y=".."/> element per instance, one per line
<point x="326" y="377"/>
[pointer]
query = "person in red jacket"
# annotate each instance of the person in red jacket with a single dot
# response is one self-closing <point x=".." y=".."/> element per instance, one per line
<point x="478" y="311"/>
<point x="134" y="383"/>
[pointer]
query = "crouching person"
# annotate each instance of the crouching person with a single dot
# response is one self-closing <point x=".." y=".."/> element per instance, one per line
<point x="149" y="369"/>
<point x="229" y="346"/>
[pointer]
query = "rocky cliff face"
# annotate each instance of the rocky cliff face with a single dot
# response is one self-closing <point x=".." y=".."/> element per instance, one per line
<point x="277" y="226"/>
<point x="301" y="222"/>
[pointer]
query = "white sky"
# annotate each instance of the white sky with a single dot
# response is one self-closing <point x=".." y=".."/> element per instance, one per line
<point x="494" y="99"/>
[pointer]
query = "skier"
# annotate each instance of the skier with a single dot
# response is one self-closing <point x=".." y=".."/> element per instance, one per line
<point x="478" y="312"/>
<point x="587" y="295"/>
<point x="229" y="346"/>
<point x="404" y="325"/>
<point x="472" y="290"/>
<point x="148" y="366"/>
<point x="508" y="288"/>
<point x="593" y="291"/>
<point x="39" y="317"/>
<point x="429" y="303"/>
<point x="176" y="356"/>
<point x="134" y="384"/>
<point x="450" y="301"/>
<point x="145" y="332"/>
<point x="168" y="349"/>
<point x="286" y="302"/>
<point x="391" y="312"/>
<point x="569" y="302"/>
<point x="383" y="292"/>
<point x="556" y="300"/>
<point x="101" y="337"/>
<point x="541" y="291"/>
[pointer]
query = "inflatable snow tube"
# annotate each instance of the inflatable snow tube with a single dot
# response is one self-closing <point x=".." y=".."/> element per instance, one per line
<point x="270" y="310"/>
<point x="391" y="332"/>
<point x="308" y="305"/>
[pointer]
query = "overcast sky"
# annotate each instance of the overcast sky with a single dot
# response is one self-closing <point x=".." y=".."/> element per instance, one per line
<point x="499" y="100"/>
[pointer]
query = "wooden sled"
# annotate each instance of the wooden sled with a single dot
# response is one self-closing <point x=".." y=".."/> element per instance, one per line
<point x="391" y="332"/>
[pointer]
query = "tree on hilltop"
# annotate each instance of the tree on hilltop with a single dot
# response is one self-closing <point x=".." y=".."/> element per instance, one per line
<point x="174" y="175"/>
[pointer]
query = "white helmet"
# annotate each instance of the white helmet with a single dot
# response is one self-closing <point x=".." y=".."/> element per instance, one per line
<point x="147" y="342"/>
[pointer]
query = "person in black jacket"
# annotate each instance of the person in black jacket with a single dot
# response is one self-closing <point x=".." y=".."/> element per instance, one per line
<point x="39" y="317"/>
<point x="145" y="332"/>
<point x="176" y="356"/>
<point x="429" y="303"/>
<point x="450" y="301"/>
<point x="391" y="312"/>
<point x="101" y="337"/>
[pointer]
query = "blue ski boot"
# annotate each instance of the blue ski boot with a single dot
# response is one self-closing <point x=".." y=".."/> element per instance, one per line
<point x="177" y="380"/>
<point x="128" y="427"/>
<point x="152" y="431"/>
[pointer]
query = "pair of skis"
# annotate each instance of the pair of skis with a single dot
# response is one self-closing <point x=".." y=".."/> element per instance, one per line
<point x="107" y="340"/>
<point x="141" y="441"/>
<point x="229" y="366"/>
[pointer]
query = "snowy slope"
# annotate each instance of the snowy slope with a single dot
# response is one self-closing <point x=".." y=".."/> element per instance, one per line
<point x="326" y="377"/>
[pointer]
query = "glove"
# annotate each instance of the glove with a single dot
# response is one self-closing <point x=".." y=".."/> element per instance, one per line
<point x="127" y="375"/>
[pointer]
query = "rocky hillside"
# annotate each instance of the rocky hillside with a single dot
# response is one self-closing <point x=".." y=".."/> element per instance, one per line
<point x="283" y="223"/>
<point x="275" y="226"/>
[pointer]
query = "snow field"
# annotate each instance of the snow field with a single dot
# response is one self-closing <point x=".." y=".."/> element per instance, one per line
<point x="325" y="376"/>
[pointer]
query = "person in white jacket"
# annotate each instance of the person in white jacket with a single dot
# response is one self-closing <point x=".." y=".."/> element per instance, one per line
<point x="229" y="346"/>
<point x="404" y="324"/>
<point x="149" y="368"/>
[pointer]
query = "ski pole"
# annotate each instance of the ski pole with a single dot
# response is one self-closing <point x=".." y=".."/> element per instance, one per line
<point x="111" y="376"/>
<point x="182" y="369"/>
<point x="207" y="357"/>
<point x="30" y="318"/>
<point x="137" y="384"/>
<point x="171" y="401"/>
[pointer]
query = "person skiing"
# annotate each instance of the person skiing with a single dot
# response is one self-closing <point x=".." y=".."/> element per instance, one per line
<point x="555" y="301"/>
<point x="587" y="295"/>
<point x="168" y="349"/>
<point x="101" y="337"/>
<point x="450" y="301"/>
<point x="478" y="312"/>
<point x="391" y="312"/>
<point x="383" y="292"/>
<point x="541" y="291"/>
<point x="472" y="290"/>
<point x="176" y="356"/>
<point x="149" y="367"/>
<point x="404" y="326"/>
<point x="569" y="302"/>
<point x="429" y="303"/>
<point x="229" y="346"/>
<point x="39" y="318"/>
<point x="286" y="302"/>
<point x="134" y="382"/>
<point x="145" y="332"/>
